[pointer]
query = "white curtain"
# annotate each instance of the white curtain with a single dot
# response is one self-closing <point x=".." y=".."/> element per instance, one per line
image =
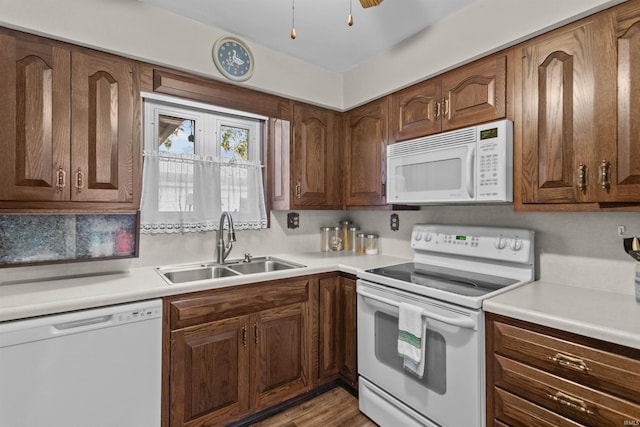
<point x="187" y="193"/>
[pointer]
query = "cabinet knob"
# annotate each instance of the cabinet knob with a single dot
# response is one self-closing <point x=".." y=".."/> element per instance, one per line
<point x="582" y="177"/>
<point x="61" y="179"/>
<point x="79" y="180"/>
<point x="603" y="176"/>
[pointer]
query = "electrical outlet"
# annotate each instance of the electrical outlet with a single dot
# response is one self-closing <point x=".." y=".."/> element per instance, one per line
<point x="293" y="220"/>
<point x="622" y="230"/>
<point x="394" y="222"/>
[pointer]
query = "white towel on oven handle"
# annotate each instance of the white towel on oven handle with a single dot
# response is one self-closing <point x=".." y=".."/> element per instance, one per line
<point x="412" y="338"/>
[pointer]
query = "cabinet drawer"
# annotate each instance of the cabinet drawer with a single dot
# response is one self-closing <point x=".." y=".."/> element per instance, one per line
<point x="566" y="398"/>
<point x="513" y="411"/>
<point x="235" y="301"/>
<point x="597" y="368"/>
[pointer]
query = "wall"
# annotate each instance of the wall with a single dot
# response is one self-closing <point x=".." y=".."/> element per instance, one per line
<point x="483" y="27"/>
<point x="136" y="29"/>
<point x="580" y="248"/>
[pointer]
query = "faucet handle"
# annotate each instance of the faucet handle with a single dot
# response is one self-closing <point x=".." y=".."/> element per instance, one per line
<point x="247" y="257"/>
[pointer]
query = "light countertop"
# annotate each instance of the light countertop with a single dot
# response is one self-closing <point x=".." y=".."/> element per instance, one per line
<point x="607" y="316"/>
<point x="35" y="298"/>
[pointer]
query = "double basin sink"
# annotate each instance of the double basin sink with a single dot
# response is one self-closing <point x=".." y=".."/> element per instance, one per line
<point x="195" y="272"/>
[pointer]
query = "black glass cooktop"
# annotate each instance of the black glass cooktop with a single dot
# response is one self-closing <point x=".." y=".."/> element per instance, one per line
<point x="446" y="279"/>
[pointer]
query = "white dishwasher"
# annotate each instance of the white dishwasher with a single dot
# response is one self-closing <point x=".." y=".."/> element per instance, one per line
<point x="98" y="368"/>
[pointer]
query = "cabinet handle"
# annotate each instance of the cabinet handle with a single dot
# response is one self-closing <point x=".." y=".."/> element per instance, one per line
<point x="244" y="336"/>
<point x="570" y="362"/>
<point x="383" y="189"/>
<point x="571" y="402"/>
<point x="436" y="109"/>
<point x="255" y="333"/>
<point x="604" y="175"/>
<point x="79" y="180"/>
<point x="582" y="177"/>
<point x="298" y="190"/>
<point x="445" y="107"/>
<point x="61" y="179"/>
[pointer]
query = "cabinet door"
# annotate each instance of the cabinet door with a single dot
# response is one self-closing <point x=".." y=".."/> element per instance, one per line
<point x="317" y="180"/>
<point x="329" y="327"/>
<point x="209" y="373"/>
<point x="348" y="333"/>
<point x="105" y="107"/>
<point x="366" y="134"/>
<point x="280" y="355"/>
<point x="415" y="111"/>
<point x="625" y="168"/>
<point x="475" y="93"/>
<point x="34" y="117"/>
<point x="568" y="107"/>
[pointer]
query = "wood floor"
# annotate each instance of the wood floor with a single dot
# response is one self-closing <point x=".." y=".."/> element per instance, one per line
<point x="335" y="408"/>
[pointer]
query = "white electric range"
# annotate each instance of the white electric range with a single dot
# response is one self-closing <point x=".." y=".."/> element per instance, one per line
<point x="454" y="269"/>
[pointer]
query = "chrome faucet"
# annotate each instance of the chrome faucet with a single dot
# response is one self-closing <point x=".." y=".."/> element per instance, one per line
<point x="223" y="248"/>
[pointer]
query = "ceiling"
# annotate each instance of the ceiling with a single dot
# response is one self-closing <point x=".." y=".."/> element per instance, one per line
<point x="323" y="36"/>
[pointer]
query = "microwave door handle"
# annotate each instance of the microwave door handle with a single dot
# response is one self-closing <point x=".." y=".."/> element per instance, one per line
<point x="471" y="156"/>
<point x="462" y="322"/>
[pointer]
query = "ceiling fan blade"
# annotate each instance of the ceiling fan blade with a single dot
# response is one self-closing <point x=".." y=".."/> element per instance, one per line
<point x="370" y="3"/>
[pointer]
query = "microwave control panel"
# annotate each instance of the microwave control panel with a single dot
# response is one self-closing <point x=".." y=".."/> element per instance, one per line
<point x="494" y="163"/>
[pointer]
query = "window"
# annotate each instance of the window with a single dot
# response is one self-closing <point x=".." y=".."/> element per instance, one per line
<point x="199" y="162"/>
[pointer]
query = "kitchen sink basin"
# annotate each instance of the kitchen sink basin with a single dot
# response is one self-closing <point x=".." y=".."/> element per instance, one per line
<point x="192" y="274"/>
<point x="196" y="272"/>
<point x="262" y="265"/>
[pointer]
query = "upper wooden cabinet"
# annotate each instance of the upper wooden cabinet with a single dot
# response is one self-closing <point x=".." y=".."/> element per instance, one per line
<point x="625" y="175"/>
<point x="472" y="94"/>
<point x="305" y="159"/>
<point x="72" y="126"/>
<point x="366" y="133"/>
<point x="580" y="91"/>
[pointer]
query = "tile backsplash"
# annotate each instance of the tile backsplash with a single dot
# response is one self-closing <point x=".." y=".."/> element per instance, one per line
<point x="41" y="239"/>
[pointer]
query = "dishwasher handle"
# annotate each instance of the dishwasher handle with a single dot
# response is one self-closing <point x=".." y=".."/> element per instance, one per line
<point x="462" y="322"/>
<point x="83" y="324"/>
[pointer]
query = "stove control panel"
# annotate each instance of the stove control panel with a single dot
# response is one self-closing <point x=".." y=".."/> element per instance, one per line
<point x="503" y="244"/>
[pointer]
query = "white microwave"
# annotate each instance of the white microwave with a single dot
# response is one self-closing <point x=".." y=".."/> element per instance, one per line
<point x="470" y="165"/>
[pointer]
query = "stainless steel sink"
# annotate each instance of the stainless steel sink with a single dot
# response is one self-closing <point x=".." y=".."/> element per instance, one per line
<point x="192" y="274"/>
<point x="196" y="272"/>
<point x="262" y="265"/>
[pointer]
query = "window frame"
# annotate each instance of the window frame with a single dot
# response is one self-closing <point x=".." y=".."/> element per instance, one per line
<point x="207" y="119"/>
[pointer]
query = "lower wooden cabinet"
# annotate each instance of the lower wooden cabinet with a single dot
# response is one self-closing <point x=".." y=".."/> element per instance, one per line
<point x="231" y="352"/>
<point x="542" y="376"/>
<point x="348" y="332"/>
<point x="337" y="330"/>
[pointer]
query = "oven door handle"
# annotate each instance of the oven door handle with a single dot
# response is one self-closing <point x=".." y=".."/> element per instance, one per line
<point x="462" y="322"/>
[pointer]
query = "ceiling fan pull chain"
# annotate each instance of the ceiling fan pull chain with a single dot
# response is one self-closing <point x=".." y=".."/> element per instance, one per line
<point x="293" y="19"/>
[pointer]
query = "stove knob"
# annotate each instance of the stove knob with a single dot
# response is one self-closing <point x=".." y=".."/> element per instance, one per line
<point x="428" y="237"/>
<point x="516" y="244"/>
<point x="500" y="243"/>
<point x="417" y="236"/>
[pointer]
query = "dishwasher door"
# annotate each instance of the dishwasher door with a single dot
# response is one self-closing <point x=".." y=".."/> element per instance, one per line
<point x="98" y="368"/>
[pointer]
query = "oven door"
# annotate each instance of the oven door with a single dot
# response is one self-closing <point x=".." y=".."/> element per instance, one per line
<point x="432" y="176"/>
<point x="451" y="392"/>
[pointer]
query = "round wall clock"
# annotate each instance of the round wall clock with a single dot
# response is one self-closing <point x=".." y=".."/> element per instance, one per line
<point x="233" y="58"/>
